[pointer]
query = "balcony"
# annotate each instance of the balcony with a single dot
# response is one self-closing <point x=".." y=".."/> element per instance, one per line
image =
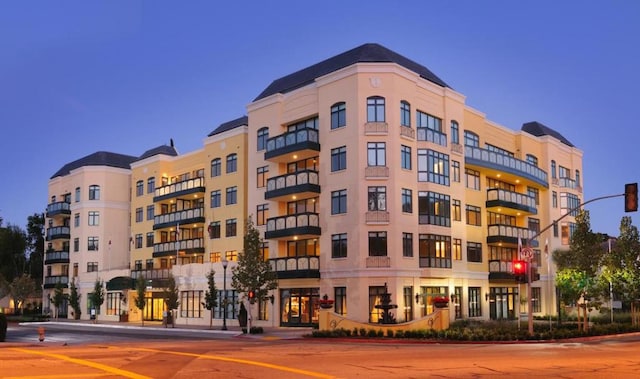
<point x="156" y="278"/>
<point x="501" y="271"/>
<point x="187" y="216"/>
<point x="568" y="183"/>
<point x="484" y="158"/>
<point x="302" y="225"/>
<point x="304" y="184"/>
<point x="376" y="172"/>
<point x="52" y="257"/>
<point x="430" y="135"/>
<point x="58" y="232"/>
<point x="376" y="128"/>
<point x="185" y="187"/>
<point x="51" y="281"/>
<point x="296" y="267"/>
<point x="171" y="249"/>
<point x="376" y="217"/>
<point x="305" y="143"/>
<point x="511" y="202"/>
<point x="378" y="262"/>
<point x="407" y="132"/>
<point x="509" y="235"/>
<point x="58" y="208"/>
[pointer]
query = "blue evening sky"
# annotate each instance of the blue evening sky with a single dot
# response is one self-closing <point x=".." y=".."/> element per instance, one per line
<point x="78" y="77"/>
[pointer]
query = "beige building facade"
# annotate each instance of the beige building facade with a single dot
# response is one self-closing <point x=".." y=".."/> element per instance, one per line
<point x="367" y="176"/>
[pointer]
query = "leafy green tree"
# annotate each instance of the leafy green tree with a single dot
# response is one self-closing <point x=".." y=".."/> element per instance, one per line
<point x="58" y="297"/>
<point x="171" y="296"/>
<point x="141" y="290"/>
<point x="622" y="267"/>
<point x="211" y="296"/>
<point x="35" y="247"/>
<point x="97" y="296"/>
<point x="21" y="288"/>
<point x="12" y="252"/>
<point x="74" y="300"/>
<point x="4" y="286"/>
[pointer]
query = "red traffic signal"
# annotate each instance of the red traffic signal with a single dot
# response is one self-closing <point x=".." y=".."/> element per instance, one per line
<point x="252" y="295"/>
<point x="519" y="267"/>
<point x="631" y="197"/>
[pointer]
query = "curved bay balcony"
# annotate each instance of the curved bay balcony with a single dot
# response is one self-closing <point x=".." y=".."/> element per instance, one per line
<point x="185" y="187"/>
<point x="171" y="249"/>
<point x="52" y="256"/>
<point x="501" y="271"/>
<point x="58" y="232"/>
<point x="51" y="281"/>
<point x="304" y="184"/>
<point x="484" y="158"/>
<point x="58" y="208"/>
<point x="507" y="234"/>
<point x="296" y="267"/>
<point x="302" y="225"/>
<point x="156" y="278"/>
<point x="187" y="216"/>
<point x="305" y="143"/>
<point x="511" y="202"/>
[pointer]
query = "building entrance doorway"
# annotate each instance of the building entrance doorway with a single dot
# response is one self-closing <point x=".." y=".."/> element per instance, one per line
<point x="154" y="307"/>
<point x="299" y="307"/>
<point x="502" y="303"/>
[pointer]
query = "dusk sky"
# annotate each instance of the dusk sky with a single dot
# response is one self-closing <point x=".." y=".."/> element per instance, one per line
<point x="78" y="77"/>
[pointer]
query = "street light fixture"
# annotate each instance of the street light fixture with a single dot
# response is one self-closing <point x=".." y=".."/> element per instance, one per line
<point x="225" y="263"/>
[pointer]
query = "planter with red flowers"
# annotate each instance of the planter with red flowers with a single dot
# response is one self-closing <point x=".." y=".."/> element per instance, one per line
<point x="325" y="302"/>
<point x="441" y="301"/>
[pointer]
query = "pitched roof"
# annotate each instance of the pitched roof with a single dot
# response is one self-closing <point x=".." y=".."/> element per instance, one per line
<point x="240" y="121"/>
<point x="537" y="129"/>
<point x="367" y="53"/>
<point x="100" y="158"/>
<point x="163" y="149"/>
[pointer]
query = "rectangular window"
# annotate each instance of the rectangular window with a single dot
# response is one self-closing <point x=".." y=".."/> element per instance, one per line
<point x="149" y="239"/>
<point x="149" y="264"/>
<point x="455" y="166"/>
<point x="214" y="230"/>
<point x="474" y="252"/>
<point x="472" y="214"/>
<point x="76" y="220"/>
<point x="407" y="244"/>
<point x="455" y="133"/>
<point x="138" y="241"/>
<point x="377" y="244"/>
<point x="407" y="200"/>
<point x="151" y="185"/>
<point x="261" y="176"/>
<point x="407" y="296"/>
<point x="456" y="249"/>
<point x="75" y="270"/>
<point x="339" y="158"/>
<point x="191" y="304"/>
<point x="434" y="251"/>
<point x="76" y="244"/>
<point x="554" y="199"/>
<point x="232" y="163"/>
<point x="434" y="209"/>
<point x="215" y="199"/>
<point x="340" y="296"/>
<point x="375" y="297"/>
<point x="262" y="213"/>
<point x="375" y="109"/>
<point x="377" y="198"/>
<point x="138" y="265"/>
<point x="338" y="116"/>
<point x="339" y="202"/>
<point x="456" y="210"/>
<point x="77" y="197"/>
<point x="533" y="192"/>
<point x="150" y="212"/>
<point x="339" y="245"/>
<point x="232" y="195"/>
<point x="92" y="266"/>
<point x="473" y="179"/>
<point x="536" y="304"/>
<point x="405" y="157"/>
<point x="230" y="230"/>
<point x="92" y="243"/>
<point x="433" y="167"/>
<point x="405" y="114"/>
<point x="376" y="154"/>
<point x="139" y="188"/>
<point x="475" y="306"/>
<point x="216" y="167"/>
<point x="94" y="192"/>
<point x="139" y="214"/>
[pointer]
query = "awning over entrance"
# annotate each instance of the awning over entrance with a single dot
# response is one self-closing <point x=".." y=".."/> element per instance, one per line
<point x="120" y="283"/>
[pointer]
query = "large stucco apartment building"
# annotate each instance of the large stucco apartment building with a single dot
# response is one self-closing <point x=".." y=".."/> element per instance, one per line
<point x="362" y="171"/>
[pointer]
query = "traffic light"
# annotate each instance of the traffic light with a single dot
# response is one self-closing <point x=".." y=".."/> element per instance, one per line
<point x="520" y="271"/>
<point x="631" y="197"/>
<point x="252" y="296"/>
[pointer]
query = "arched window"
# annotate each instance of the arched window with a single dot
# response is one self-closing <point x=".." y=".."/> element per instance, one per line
<point x="553" y="169"/>
<point x="405" y="113"/>
<point x="375" y="109"/>
<point x="216" y="167"/>
<point x="94" y="192"/>
<point x="532" y="159"/>
<point x="338" y="115"/>
<point x="471" y="139"/>
<point x="455" y="132"/>
<point x="139" y="188"/>
<point x="263" y="136"/>
<point x="77" y="194"/>
<point x="232" y="163"/>
<point x="151" y="185"/>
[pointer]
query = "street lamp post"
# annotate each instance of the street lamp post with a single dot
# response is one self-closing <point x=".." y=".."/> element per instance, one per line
<point x="225" y="262"/>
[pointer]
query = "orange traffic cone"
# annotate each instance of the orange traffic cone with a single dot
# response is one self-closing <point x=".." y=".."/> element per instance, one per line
<point x="41" y="334"/>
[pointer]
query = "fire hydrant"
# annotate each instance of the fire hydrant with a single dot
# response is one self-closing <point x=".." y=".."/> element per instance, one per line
<point x="41" y="333"/>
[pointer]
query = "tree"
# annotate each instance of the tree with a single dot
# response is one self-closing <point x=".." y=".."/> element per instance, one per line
<point x="170" y="295"/>
<point x="58" y="297"/>
<point x="141" y="290"/>
<point x="253" y="272"/>
<point x="12" y="252"/>
<point x="97" y="297"/>
<point x="35" y="247"/>
<point x="21" y="288"/>
<point x="211" y="296"/>
<point x="74" y="300"/>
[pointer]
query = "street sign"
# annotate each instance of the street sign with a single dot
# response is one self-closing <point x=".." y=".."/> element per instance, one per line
<point x="527" y="253"/>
